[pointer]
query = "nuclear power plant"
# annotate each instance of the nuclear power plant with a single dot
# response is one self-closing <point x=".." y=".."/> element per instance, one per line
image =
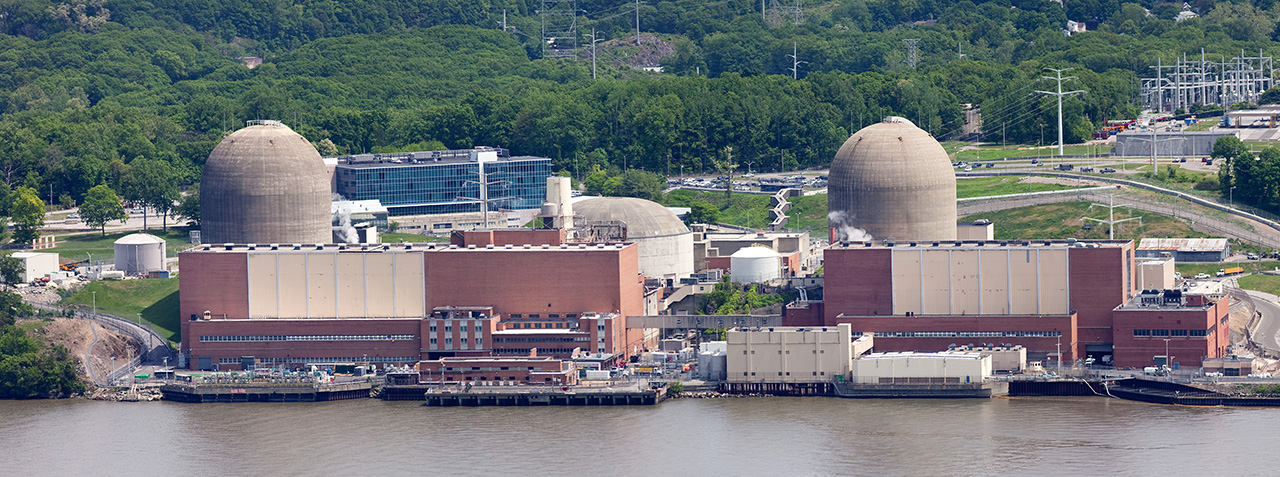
<point x="265" y="184"/>
<point x="892" y="181"/>
<point x="600" y="281"/>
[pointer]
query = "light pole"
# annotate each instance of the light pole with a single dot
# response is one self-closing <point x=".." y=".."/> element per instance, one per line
<point x="1059" y="345"/>
<point x="95" y="303"/>
<point x="1166" y="353"/>
<point x="1231" y="196"/>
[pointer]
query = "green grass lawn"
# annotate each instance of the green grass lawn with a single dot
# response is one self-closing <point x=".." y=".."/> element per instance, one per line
<point x="989" y="186"/>
<point x="155" y="299"/>
<point x="987" y="154"/>
<point x="77" y="247"/>
<point x="1062" y="220"/>
<point x="1263" y="283"/>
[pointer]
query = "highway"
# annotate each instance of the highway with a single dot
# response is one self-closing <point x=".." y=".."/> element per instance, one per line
<point x="1267" y="333"/>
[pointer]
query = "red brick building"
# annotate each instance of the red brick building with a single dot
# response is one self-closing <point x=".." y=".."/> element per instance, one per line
<point x="499" y="371"/>
<point x="1044" y="295"/>
<point x="1191" y="333"/>
<point x="399" y="304"/>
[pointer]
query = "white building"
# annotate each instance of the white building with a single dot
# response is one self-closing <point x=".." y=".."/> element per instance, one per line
<point x="36" y="265"/>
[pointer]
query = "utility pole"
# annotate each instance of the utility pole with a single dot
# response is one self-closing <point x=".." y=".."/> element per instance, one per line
<point x="593" y="53"/>
<point x="913" y="52"/>
<point x="1059" y="94"/>
<point x="637" y="22"/>
<point x="1155" y="166"/>
<point x="1111" y="217"/>
<point x="795" y="61"/>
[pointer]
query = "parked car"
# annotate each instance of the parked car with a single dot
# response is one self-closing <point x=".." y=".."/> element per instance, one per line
<point x="1202" y="276"/>
<point x="990" y="164"/>
<point x="1252" y="256"/>
<point x="1107" y="170"/>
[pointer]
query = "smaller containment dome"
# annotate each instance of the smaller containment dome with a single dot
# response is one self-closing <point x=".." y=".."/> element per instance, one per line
<point x="892" y="180"/>
<point x="139" y="253"/>
<point x="665" y="243"/>
<point x="755" y="264"/>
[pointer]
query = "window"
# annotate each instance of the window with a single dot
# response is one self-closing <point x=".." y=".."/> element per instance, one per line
<point x="1159" y="332"/>
<point x="1141" y="332"/>
<point x="433" y="341"/>
<point x="448" y="329"/>
<point x="1199" y="333"/>
<point x="1178" y="332"/>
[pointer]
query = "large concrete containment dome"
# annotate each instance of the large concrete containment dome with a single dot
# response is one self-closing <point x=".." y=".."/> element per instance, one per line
<point x="755" y="265"/>
<point x="664" y="243"/>
<point x="892" y="180"/>
<point x="265" y="184"/>
<point x="139" y="253"/>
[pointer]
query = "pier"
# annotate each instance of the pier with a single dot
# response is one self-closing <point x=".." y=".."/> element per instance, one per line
<point x="523" y="396"/>
<point x="265" y="392"/>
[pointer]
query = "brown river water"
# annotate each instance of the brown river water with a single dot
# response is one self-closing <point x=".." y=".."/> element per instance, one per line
<point x="742" y="436"/>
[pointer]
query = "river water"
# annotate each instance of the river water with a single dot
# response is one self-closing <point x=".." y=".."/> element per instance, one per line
<point x="742" y="436"/>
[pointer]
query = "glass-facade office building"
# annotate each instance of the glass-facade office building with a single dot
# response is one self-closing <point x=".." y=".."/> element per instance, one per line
<point x="444" y="182"/>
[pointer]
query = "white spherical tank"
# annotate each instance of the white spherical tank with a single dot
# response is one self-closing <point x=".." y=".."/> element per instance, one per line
<point x="137" y="254"/>
<point x="755" y="265"/>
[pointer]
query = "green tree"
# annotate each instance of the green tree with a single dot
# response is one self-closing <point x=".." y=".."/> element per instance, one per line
<point x="102" y="205"/>
<point x="642" y="184"/>
<point x="28" y="215"/>
<point x="153" y="183"/>
<point x="10" y="273"/>
<point x="1232" y="151"/>
<point x="189" y="205"/>
<point x="703" y="212"/>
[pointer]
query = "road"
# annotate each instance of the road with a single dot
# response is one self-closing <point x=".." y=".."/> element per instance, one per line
<point x="1267" y="333"/>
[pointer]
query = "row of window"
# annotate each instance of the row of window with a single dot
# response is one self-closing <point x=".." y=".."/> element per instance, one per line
<point x="534" y="316"/>
<point x="542" y="339"/>
<point x="1175" y="333"/>
<point x="462" y="328"/>
<point x="968" y="334"/>
<point x="492" y="368"/>
<point x="541" y="351"/>
<point x="303" y="360"/>
<point x="211" y="339"/>
<point x="815" y="373"/>
<point x="462" y="341"/>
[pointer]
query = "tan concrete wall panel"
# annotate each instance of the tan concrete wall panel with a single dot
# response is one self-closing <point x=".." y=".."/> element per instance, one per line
<point x="1024" y="282"/>
<point x="937" y="282"/>
<point x="322" y="284"/>
<point x="1054" y="286"/>
<point x="292" y="276"/>
<point x="906" y="281"/>
<point x="995" y="281"/>
<point x="263" y="299"/>
<point x="410" y="285"/>
<point x="351" y="295"/>
<point x="379" y="292"/>
<point x="966" y="295"/>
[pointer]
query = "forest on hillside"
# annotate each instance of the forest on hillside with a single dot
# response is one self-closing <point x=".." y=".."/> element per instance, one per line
<point x="88" y="88"/>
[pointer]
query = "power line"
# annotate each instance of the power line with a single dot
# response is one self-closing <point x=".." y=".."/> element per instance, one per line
<point x="1059" y="94"/>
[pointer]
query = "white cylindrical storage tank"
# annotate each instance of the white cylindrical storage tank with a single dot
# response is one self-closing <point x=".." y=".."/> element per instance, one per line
<point x="754" y="265"/>
<point x="139" y="253"/>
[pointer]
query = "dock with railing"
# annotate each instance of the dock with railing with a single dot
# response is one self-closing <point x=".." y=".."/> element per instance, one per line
<point x="268" y="391"/>
<point x="445" y="396"/>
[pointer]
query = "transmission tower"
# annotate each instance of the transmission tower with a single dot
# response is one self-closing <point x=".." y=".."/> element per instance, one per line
<point x="1059" y="94"/>
<point x="559" y="28"/>
<point x="1111" y="217"/>
<point x="913" y="52"/>
<point x="780" y="11"/>
<point x="795" y="62"/>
